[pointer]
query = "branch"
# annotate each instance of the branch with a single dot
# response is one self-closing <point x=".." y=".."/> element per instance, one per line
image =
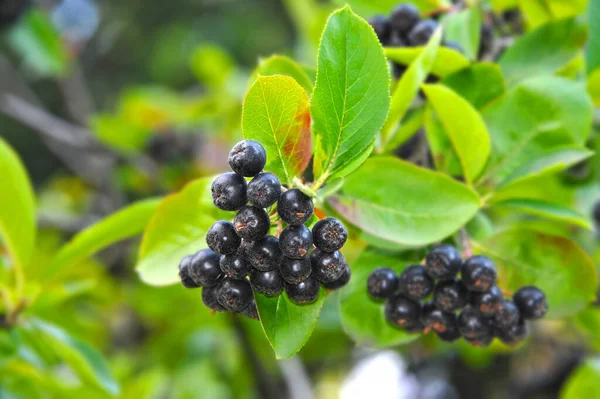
<point x="296" y="379"/>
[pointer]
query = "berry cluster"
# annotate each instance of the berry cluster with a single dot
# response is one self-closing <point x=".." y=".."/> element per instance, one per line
<point x="243" y="257"/>
<point x="472" y="307"/>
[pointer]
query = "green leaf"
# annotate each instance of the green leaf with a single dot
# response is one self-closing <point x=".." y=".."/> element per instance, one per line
<point x="177" y="228"/>
<point x="583" y="383"/>
<point x="479" y="84"/>
<point x="547" y="210"/>
<point x="555" y="264"/>
<point x="17" y="208"/>
<point x="593" y="86"/>
<point x="120" y="133"/>
<point x="444" y="157"/>
<point x="544" y="50"/>
<point x="447" y="61"/>
<point x="276" y="114"/>
<point x="363" y="318"/>
<point x="212" y="65"/>
<point x="467" y="133"/>
<point x="126" y="223"/>
<point x="282" y="65"/>
<point x="286" y="324"/>
<point x="592" y="50"/>
<point x="464" y="28"/>
<point x="408" y="128"/>
<point x="402" y="203"/>
<point x="369" y="7"/>
<point x="408" y="86"/>
<point x="587" y="322"/>
<point x="351" y="97"/>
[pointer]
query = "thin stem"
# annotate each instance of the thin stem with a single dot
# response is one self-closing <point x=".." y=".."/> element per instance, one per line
<point x="465" y="242"/>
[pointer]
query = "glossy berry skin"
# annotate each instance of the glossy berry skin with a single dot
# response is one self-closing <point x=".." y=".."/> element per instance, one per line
<point x="402" y="312"/>
<point x="449" y="335"/>
<point x="327" y="267"/>
<point x="422" y="32"/>
<point x="443" y="262"/>
<point x="531" y="302"/>
<point x="513" y="335"/>
<point x="295" y="271"/>
<point x="415" y="283"/>
<point x="438" y="321"/>
<point x="305" y="292"/>
<point x="397" y="41"/>
<point x="252" y="223"/>
<point x="381" y="26"/>
<point x="329" y="234"/>
<point x="251" y="311"/>
<point x="247" y="158"/>
<point x="209" y="298"/>
<point x="222" y="238"/>
<point x="473" y="325"/>
<point x="294" y="207"/>
<point x="184" y="273"/>
<point x="265" y="254"/>
<point x="229" y="191"/>
<point x="340" y="282"/>
<point x="204" y="268"/>
<point x="404" y="18"/>
<point x="234" y="265"/>
<point x="295" y="241"/>
<point x="450" y="295"/>
<point x="480" y="342"/>
<point x="479" y="273"/>
<point x="506" y="316"/>
<point x="382" y="283"/>
<point x="234" y="295"/>
<point x="264" y="190"/>
<point x="489" y="302"/>
<point x="269" y="283"/>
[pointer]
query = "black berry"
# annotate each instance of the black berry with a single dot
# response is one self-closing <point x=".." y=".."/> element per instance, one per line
<point x="596" y="212"/>
<point x="489" y="302"/>
<point x="449" y="335"/>
<point x="415" y="283"/>
<point x="294" y="207"/>
<point x="327" y="267"/>
<point x="305" y="292"/>
<point x="209" y="297"/>
<point x="531" y="302"/>
<point x="265" y="254"/>
<point x="381" y="26"/>
<point x="222" y="238"/>
<point x="450" y="295"/>
<point x="402" y="312"/>
<point x="480" y="342"/>
<point x="295" y="271"/>
<point x="382" y="283"/>
<point x="251" y="311"/>
<point x="398" y="70"/>
<point x="486" y="40"/>
<point x="295" y="241"/>
<point x="269" y="283"/>
<point x="397" y="41"/>
<point x="513" y="335"/>
<point x="422" y="32"/>
<point x="438" y="321"/>
<point x="340" y="282"/>
<point x="252" y="223"/>
<point x="204" y="268"/>
<point x="443" y="262"/>
<point x="479" y="273"/>
<point x="229" y="191"/>
<point x="329" y="234"/>
<point x="184" y="273"/>
<point x="247" y="158"/>
<point x="404" y="18"/>
<point x="472" y="325"/>
<point x="234" y="265"/>
<point x="506" y="316"/>
<point x="234" y="295"/>
<point x="264" y="190"/>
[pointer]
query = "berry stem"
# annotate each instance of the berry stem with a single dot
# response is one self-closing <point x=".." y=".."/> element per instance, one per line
<point x="466" y="243"/>
<point x="310" y="191"/>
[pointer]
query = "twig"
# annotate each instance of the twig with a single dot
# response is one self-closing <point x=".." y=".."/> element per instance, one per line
<point x="297" y="380"/>
<point x="76" y="94"/>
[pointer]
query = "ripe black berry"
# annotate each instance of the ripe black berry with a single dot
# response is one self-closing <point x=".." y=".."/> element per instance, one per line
<point x="264" y="190"/>
<point x="404" y="18"/>
<point x="269" y="283"/>
<point x="294" y="207"/>
<point x="438" y="321"/>
<point x="486" y="40"/>
<point x="414" y="283"/>
<point x="506" y="316"/>
<point x="327" y="267"/>
<point x="402" y="312"/>
<point x="295" y="241"/>
<point x="479" y="273"/>
<point x="209" y="297"/>
<point x="295" y="271"/>
<point x="472" y="324"/>
<point x="340" y="282"/>
<point x="265" y="254"/>
<point x="531" y="302"/>
<point x="247" y="158"/>
<point x="234" y="265"/>
<point x="480" y="342"/>
<point x="204" y="268"/>
<point x="397" y="41"/>
<point x="222" y="238"/>
<point x="381" y="26"/>
<point x="234" y="295"/>
<point x="252" y="223"/>
<point x="449" y="335"/>
<point x="329" y="234"/>
<point x="421" y="33"/>
<point x="487" y="302"/>
<point x="443" y="262"/>
<point x="251" y="311"/>
<point x="450" y="295"/>
<point x="184" y="273"/>
<point x="382" y="283"/>
<point x="229" y="191"/>
<point x="513" y="335"/>
<point x="305" y="292"/>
